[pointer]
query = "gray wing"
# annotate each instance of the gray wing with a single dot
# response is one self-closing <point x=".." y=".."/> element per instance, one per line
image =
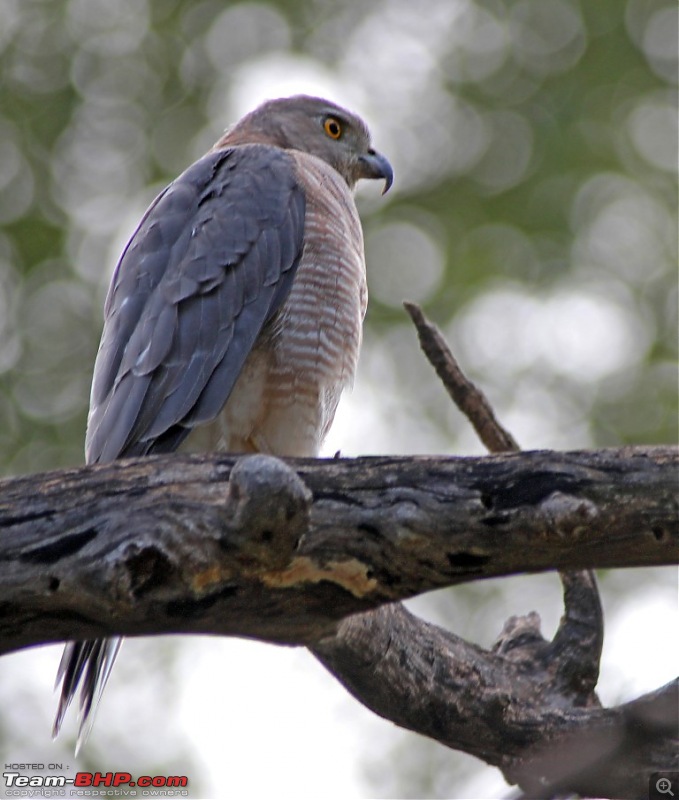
<point x="210" y="263"/>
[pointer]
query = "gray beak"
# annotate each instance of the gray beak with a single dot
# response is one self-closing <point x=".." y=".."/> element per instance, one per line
<point x="375" y="165"/>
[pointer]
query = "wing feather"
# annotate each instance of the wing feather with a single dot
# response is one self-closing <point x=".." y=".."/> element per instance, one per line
<point x="210" y="263"/>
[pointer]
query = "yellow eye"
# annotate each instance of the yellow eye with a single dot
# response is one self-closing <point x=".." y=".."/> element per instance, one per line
<point x="333" y="127"/>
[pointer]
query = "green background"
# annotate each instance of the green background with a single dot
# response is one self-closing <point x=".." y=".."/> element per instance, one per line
<point x="533" y="215"/>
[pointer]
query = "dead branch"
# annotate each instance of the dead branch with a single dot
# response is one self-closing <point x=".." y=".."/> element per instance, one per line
<point x="471" y="401"/>
<point x="281" y="552"/>
<point x="507" y="707"/>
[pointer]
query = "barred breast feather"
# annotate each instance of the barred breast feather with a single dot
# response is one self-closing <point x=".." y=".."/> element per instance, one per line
<point x="286" y="397"/>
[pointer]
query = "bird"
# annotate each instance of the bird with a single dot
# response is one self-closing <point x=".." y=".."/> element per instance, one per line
<point x="234" y="315"/>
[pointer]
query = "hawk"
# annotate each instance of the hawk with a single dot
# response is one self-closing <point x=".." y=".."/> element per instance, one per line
<point x="235" y="310"/>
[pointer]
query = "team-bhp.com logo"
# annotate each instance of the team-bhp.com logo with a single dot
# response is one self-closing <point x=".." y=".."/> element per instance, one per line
<point x="94" y="784"/>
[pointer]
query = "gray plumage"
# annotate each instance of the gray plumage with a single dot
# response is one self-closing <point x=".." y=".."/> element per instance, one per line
<point x="209" y="265"/>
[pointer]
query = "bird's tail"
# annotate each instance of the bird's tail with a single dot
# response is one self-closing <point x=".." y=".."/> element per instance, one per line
<point x="88" y="665"/>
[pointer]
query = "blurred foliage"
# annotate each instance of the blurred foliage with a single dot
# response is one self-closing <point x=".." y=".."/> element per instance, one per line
<point x="534" y="212"/>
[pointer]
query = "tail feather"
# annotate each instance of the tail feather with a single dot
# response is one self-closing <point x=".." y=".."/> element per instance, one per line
<point x="86" y="665"/>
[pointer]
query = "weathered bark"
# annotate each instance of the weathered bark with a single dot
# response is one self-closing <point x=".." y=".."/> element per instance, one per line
<point x="508" y="707"/>
<point x="179" y="545"/>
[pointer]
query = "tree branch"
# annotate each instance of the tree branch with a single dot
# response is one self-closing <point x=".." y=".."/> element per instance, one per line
<point x="503" y="707"/>
<point x="579" y="640"/>
<point x="471" y="401"/>
<point x="282" y="553"/>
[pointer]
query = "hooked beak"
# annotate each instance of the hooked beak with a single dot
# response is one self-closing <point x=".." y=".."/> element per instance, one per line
<point x="375" y="165"/>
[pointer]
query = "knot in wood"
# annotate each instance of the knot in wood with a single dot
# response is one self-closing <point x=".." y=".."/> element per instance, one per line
<point x="569" y="515"/>
<point x="268" y="508"/>
<point x="521" y="638"/>
<point x="143" y="568"/>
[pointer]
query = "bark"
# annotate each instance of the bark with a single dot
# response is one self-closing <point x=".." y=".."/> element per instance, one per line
<point x="512" y="707"/>
<point x="282" y="553"/>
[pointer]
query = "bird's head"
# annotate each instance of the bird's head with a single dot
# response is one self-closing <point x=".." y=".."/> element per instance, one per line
<point x="319" y="127"/>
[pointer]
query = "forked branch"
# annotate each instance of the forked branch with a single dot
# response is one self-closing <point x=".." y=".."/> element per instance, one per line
<point x="528" y="706"/>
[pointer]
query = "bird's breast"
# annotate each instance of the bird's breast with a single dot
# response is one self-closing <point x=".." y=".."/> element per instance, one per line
<point x="285" y="399"/>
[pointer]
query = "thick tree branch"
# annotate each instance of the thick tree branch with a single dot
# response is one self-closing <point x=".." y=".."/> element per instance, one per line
<point x="162" y="545"/>
<point x="504" y="707"/>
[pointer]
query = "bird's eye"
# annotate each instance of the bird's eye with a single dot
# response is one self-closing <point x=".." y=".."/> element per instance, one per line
<point x="333" y="127"/>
